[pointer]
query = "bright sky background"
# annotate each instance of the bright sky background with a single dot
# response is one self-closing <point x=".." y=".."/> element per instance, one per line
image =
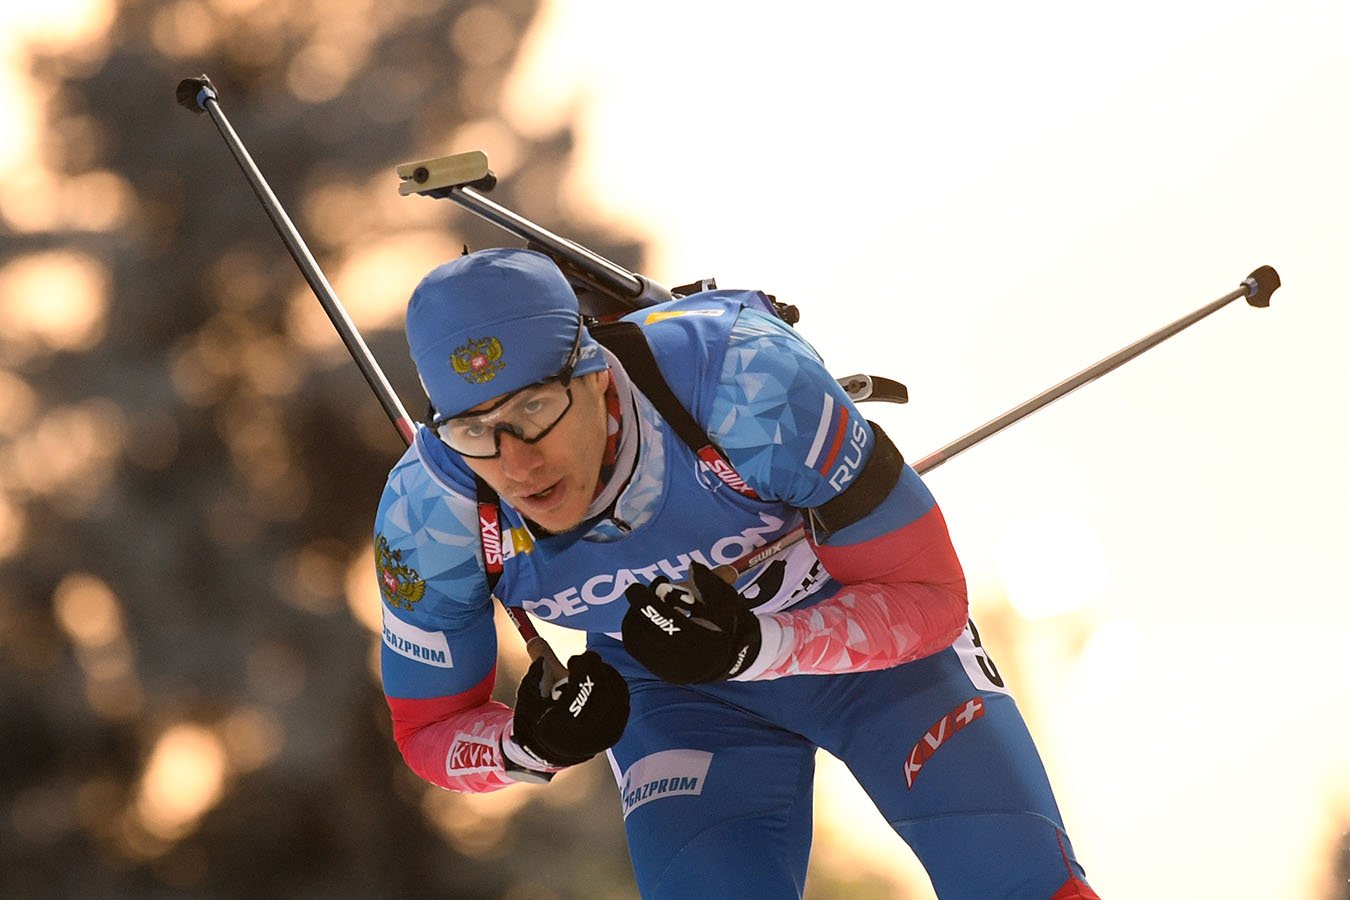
<point x="980" y="200"/>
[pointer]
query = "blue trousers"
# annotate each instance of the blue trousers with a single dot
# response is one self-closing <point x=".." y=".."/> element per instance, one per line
<point x="716" y="780"/>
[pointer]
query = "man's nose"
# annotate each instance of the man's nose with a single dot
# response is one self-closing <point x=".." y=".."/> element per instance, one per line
<point x="518" y="458"/>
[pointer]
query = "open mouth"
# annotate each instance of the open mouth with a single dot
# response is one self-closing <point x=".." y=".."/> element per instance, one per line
<point x="545" y="495"/>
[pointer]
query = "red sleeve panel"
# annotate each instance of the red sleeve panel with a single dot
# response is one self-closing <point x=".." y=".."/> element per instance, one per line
<point x="455" y="741"/>
<point x="903" y="598"/>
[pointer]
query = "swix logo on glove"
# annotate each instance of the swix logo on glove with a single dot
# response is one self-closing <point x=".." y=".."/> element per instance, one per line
<point x="665" y="624"/>
<point x="583" y="694"/>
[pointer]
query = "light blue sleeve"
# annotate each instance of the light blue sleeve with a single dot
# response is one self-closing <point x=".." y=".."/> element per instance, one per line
<point x="791" y="431"/>
<point x="438" y="633"/>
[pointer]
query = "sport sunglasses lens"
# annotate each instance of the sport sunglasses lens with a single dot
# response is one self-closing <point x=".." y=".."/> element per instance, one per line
<point x="528" y="418"/>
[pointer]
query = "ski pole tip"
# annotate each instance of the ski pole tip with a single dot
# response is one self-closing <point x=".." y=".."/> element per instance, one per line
<point x="1260" y="285"/>
<point x="193" y="93"/>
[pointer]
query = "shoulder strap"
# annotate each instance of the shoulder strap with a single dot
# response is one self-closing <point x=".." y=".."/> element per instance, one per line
<point x="489" y="532"/>
<point x="626" y="341"/>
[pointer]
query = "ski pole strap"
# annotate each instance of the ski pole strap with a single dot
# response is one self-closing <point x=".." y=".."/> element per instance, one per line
<point x="626" y="341"/>
<point x="490" y="533"/>
<point x="872" y="485"/>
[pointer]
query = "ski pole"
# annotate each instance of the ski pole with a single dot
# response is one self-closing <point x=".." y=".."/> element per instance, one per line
<point x="199" y="95"/>
<point x="1256" y="287"/>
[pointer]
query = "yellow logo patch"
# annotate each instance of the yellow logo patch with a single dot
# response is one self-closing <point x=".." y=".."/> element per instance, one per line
<point x="676" y="313"/>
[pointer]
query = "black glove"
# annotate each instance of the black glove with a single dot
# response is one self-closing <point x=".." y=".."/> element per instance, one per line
<point x="570" y="724"/>
<point x="686" y="633"/>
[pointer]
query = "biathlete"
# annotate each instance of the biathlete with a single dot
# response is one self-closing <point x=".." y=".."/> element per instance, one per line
<point x="596" y="477"/>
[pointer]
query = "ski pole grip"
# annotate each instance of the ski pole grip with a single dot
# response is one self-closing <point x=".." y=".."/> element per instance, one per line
<point x="1260" y="285"/>
<point x="555" y="673"/>
<point x="193" y="93"/>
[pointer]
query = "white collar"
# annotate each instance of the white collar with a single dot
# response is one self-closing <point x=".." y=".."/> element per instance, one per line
<point x="626" y="458"/>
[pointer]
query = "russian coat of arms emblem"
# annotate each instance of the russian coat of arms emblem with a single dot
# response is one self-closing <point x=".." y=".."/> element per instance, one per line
<point x="400" y="585"/>
<point x="479" y="360"/>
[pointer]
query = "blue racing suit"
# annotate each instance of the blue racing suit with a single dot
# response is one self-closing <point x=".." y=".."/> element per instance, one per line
<point x="867" y="651"/>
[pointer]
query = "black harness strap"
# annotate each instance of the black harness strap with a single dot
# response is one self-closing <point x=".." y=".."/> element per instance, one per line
<point x="626" y="341"/>
<point x="872" y="485"/>
<point x="490" y="533"/>
<point x="877" y="479"/>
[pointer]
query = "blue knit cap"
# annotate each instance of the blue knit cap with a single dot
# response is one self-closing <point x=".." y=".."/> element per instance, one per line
<point x="493" y="322"/>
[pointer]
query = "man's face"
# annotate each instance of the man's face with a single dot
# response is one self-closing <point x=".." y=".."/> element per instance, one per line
<point x="553" y="480"/>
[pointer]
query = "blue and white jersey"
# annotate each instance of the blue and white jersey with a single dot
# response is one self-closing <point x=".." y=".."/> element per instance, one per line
<point x="715" y="778"/>
<point x="762" y="395"/>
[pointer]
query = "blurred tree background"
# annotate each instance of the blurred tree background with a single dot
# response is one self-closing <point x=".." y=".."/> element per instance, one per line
<point x="189" y="463"/>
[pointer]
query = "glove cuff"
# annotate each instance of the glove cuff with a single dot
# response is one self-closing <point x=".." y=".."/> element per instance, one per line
<point x="772" y="636"/>
<point x="520" y="764"/>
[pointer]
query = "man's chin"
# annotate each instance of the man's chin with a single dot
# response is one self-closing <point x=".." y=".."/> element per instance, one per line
<point x="554" y="521"/>
<point x="555" y="526"/>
